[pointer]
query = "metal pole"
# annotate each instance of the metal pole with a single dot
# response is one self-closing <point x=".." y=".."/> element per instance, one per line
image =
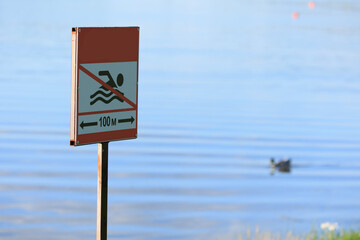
<point x="102" y="191"/>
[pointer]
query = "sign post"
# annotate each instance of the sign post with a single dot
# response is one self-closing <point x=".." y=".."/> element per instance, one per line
<point x="102" y="191"/>
<point x="104" y="97"/>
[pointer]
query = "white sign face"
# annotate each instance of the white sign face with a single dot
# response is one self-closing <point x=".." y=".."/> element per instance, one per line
<point x="101" y="109"/>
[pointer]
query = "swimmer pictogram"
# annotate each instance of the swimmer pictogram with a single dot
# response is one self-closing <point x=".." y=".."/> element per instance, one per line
<point x="105" y="95"/>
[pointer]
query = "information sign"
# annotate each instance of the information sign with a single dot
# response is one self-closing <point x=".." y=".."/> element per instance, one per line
<point x="104" y="84"/>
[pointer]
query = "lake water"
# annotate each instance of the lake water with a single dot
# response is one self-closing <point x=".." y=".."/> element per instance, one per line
<point x="223" y="86"/>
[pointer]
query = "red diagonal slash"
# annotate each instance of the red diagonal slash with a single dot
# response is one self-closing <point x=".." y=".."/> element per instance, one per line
<point x="107" y="86"/>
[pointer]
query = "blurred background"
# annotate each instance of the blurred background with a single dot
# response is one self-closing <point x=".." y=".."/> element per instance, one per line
<point x="223" y="86"/>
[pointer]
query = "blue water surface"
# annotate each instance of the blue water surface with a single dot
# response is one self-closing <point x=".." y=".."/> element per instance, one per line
<point x="223" y="86"/>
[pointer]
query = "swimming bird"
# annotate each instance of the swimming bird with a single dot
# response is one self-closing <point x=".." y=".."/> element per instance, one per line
<point x="282" y="166"/>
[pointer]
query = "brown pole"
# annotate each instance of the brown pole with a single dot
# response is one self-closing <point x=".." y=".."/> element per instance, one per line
<point x="102" y="191"/>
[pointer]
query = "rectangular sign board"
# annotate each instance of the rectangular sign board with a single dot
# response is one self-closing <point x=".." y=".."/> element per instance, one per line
<point x="104" y="84"/>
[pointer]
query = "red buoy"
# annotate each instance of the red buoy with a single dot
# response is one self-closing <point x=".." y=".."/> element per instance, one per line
<point x="311" y="4"/>
<point x="295" y="15"/>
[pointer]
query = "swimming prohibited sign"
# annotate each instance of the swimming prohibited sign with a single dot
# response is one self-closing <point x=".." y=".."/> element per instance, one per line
<point x="104" y="84"/>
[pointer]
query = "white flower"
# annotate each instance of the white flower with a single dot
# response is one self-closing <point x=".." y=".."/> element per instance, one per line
<point x="329" y="226"/>
<point x="333" y="227"/>
<point x="325" y="225"/>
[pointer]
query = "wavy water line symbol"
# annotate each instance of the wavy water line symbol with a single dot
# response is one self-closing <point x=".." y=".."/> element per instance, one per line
<point x="102" y="93"/>
<point x="106" y="98"/>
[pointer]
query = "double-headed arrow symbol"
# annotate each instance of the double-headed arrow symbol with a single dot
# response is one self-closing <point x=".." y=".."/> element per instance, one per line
<point x="89" y="124"/>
